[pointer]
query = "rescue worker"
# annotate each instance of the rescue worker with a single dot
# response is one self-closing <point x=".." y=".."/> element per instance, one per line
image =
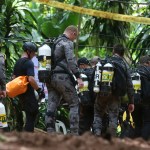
<point x="110" y="104"/>
<point x="144" y="71"/>
<point x="86" y="98"/>
<point x="25" y="67"/>
<point x="4" y="124"/>
<point x="2" y="77"/>
<point x="62" y="85"/>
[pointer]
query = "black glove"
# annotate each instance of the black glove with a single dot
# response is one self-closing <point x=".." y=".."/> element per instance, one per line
<point x="41" y="93"/>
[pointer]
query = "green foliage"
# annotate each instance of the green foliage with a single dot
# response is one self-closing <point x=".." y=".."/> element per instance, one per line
<point x="49" y="29"/>
<point x="139" y="44"/>
<point x="62" y="115"/>
<point x="105" y="32"/>
<point x="17" y="23"/>
<point x="55" y="27"/>
<point x="69" y="18"/>
<point x="40" y="122"/>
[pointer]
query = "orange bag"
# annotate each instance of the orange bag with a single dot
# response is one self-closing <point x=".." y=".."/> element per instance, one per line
<point x="17" y="86"/>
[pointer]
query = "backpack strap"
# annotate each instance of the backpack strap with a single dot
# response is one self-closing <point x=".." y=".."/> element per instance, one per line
<point x="145" y="73"/>
<point x="117" y="63"/>
<point x="55" y="63"/>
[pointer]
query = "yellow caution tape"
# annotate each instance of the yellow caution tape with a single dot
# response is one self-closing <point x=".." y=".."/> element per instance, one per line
<point x="97" y="13"/>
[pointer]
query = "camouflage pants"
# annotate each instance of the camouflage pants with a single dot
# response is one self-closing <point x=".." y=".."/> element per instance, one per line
<point x="62" y="88"/>
<point x="104" y="105"/>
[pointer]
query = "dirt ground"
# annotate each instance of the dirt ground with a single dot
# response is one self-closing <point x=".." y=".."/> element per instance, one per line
<point x="42" y="141"/>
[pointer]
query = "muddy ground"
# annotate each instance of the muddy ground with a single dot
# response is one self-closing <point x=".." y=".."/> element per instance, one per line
<point x="42" y="141"/>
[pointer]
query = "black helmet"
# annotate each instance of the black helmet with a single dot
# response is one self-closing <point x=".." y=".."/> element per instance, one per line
<point x="29" y="46"/>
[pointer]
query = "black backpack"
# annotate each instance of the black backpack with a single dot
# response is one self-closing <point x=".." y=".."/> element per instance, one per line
<point x="52" y="43"/>
<point x="144" y="71"/>
<point x="118" y="86"/>
<point x="119" y="83"/>
<point x="45" y="77"/>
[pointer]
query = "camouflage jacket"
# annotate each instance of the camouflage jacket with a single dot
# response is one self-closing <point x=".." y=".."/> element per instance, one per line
<point x="2" y="73"/>
<point x="64" y="51"/>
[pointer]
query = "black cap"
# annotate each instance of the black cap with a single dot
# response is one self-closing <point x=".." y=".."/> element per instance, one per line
<point x="83" y="61"/>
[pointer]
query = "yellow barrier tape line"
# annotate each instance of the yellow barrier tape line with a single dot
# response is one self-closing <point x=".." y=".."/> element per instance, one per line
<point x="97" y="13"/>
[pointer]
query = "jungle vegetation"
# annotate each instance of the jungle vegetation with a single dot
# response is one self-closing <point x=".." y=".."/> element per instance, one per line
<point x="25" y="20"/>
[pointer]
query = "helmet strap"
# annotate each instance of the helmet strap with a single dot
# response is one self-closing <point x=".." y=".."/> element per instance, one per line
<point x="28" y="53"/>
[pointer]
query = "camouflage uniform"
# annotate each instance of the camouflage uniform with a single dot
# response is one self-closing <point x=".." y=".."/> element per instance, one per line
<point x="61" y="86"/>
<point x="2" y="73"/>
<point x="144" y="71"/>
<point x="110" y="104"/>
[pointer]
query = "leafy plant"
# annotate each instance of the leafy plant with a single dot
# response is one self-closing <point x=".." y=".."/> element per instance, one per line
<point x="17" y="24"/>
